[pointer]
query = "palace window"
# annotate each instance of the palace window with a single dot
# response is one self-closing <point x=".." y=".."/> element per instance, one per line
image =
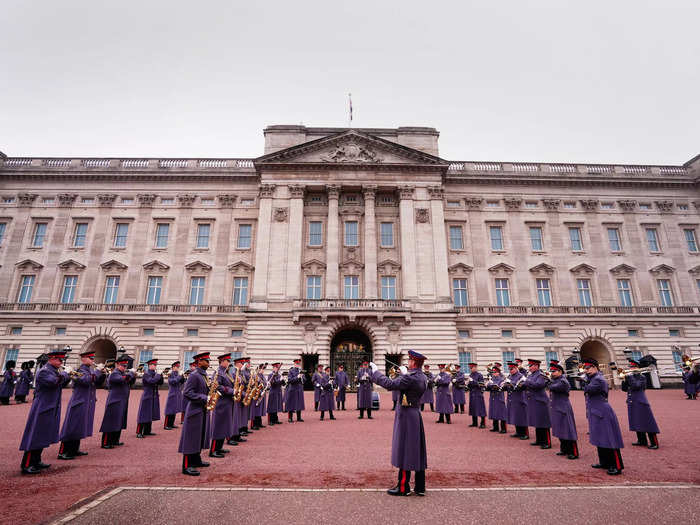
<point x="352" y="287"/>
<point x="203" y="231"/>
<point x="315" y="233"/>
<point x="550" y="356"/>
<point x="607" y="205"/>
<point x="644" y="206"/>
<point x="569" y="205"/>
<point x="80" y="235"/>
<point x="456" y="242"/>
<point x="236" y="332"/>
<point x="3" y="227"/>
<point x="59" y="330"/>
<point x="624" y="292"/>
<point x="665" y="293"/>
<point x="187" y="358"/>
<point x="145" y="356"/>
<point x="245" y="232"/>
<point x="127" y="200"/>
<point x="691" y="240"/>
<point x="155" y="285"/>
<point x="388" y="288"/>
<point x="87" y="200"/>
<point x="240" y="291"/>
<point x="674" y="332"/>
<point x="502" y="292"/>
<point x="313" y="287"/>
<point x="120" y="234"/>
<point x="550" y="332"/>
<point x="614" y="239"/>
<point x="149" y="332"/>
<point x="544" y="292"/>
<point x="162" y="233"/>
<point x="496" y="233"/>
<point x="196" y="290"/>
<point x="683" y="207"/>
<point x="632" y="332"/>
<point x="459" y="287"/>
<point x="70" y="283"/>
<point x="507" y="333"/>
<point x="26" y="288"/>
<point x="207" y="201"/>
<point x="39" y="234"/>
<point x="677" y="359"/>
<point x="636" y="354"/>
<point x="536" y="239"/>
<point x="652" y="239"/>
<point x="11" y="354"/>
<point x="575" y="238"/>
<point x="351" y="238"/>
<point x="16" y="330"/>
<point x="193" y="332"/>
<point x="464" y="334"/>
<point x="111" y="289"/>
<point x="386" y="234"/>
<point x="584" y="292"/>
<point x="464" y="359"/>
<point x="507" y="357"/>
<point x="167" y="200"/>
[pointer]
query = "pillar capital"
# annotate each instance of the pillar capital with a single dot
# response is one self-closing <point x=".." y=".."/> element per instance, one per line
<point x="267" y="190"/>
<point x="406" y="191"/>
<point x="369" y="191"/>
<point x="296" y="191"/>
<point x="333" y="191"/>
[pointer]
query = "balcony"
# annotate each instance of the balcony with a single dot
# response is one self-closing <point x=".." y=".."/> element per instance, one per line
<point x="575" y="310"/>
<point x="125" y="308"/>
<point x="353" y="304"/>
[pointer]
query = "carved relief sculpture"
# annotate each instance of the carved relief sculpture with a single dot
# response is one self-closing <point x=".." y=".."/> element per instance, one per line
<point x="66" y="200"/>
<point x="422" y="215"/>
<point x="351" y="152"/>
<point x="226" y="200"/>
<point x="26" y="199"/>
<point x="186" y="199"/>
<point x="106" y="199"/>
<point x="474" y="203"/>
<point x="551" y="204"/>
<point x="281" y="214"/>
<point x="627" y="205"/>
<point x="513" y="203"/>
<point x="589" y="204"/>
<point x="146" y="199"/>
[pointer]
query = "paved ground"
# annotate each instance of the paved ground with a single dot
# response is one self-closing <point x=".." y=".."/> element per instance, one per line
<point x="346" y="453"/>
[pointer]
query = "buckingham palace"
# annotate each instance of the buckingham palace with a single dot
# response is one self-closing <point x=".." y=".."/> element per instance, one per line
<point x="341" y="244"/>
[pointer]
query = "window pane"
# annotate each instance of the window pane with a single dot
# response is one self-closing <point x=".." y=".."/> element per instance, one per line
<point x="240" y="291"/>
<point x="544" y="296"/>
<point x="162" y="232"/>
<point x="456" y="242"/>
<point x="39" y="234"/>
<point x="70" y="283"/>
<point x="550" y="356"/>
<point x="203" y="235"/>
<point x="459" y="287"/>
<point x="387" y="234"/>
<point x="25" y="289"/>
<point x="351" y="233"/>
<point x="614" y="238"/>
<point x="120" y="234"/>
<point x="80" y="234"/>
<point x="653" y="240"/>
<point x="352" y="287"/>
<point x="244" y="235"/>
<point x="624" y="290"/>
<point x="464" y="359"/>
<point x="496" y="237"/>
<point x="575" y="236"/>
<point x="197" y="290"/>
<point x="584" y="292"/>
<point x="677" y="359"/>
<point x="145" y="356"/>
<point x="111" y="289"/>
<point x="389" y="288"/>
<point x="508" y="357"/>
<point x="665" y="294"/>
<point x="536" y="239"/>
<point x="690" y="239"/>
<point x="502" y="292"/>
<point x="315" y="233"/>
<point x="313" y="287"/>
<point x="154" y="287"/>
<point x="3" y="225"/>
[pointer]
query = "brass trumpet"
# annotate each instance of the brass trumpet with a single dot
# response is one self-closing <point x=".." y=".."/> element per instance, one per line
<point x="629" y="371"/>
<point x="394" y="372"/>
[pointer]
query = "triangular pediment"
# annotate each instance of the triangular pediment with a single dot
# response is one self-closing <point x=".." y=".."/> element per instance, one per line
<point x="460" y="268"/>
<point x="313" y="263"/>
<point x="623" y="269"/>
<point x="502" y="268"/>
<point x="29" y="264"/>
<point x="113" y="264"/>
<point x="197" y="266"/>
<point x="352" y="265"/>
<point x="695" y="270"/>
<point x="350" y="148"/>
<point x="542" y="268"/>
<point x="662" y="269"/>
<point x="156" y="265"/>
<point x="583" y="268"/>
<point x="71" y="264"/>
<point x="240" y="267"/>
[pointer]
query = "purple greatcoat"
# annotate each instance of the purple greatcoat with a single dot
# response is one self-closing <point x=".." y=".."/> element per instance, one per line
<point x="195" y="428"/>
<point x="364" y="391"/>
<point x="8" y="384"/>
<point x="24" y="383"/>
<point x="237" y="407"/>
<point x="428" y="396"/>
<point x="327" y="401"/>
<point x="222" y="415"/>
<point x="117" y="404"/>
<point x="173" y="404"/>
<point x="342" y="382"/>
<point x="537" y="400"/>
<point x="80" y="416"/>
<point x="274" y="398"/>
<point x="689" y="386"/>
<point x="44" y="417"/>
<point x="477" y="406"/>
<point x="458" y="388"/>
<point x="641" y="418"/>
<point x="603" y="426"/>
<point x="497" y="399"/>
<point x="316" y="381"/>
<point x="258" y="408"/>
<point x="517" y="402"/>
<point x="443" y="398"/>
<point x="560" y="411"/>
<point x="295" y="390"/>
<point x="408" y="449"/>
<point x="149" y="408"/>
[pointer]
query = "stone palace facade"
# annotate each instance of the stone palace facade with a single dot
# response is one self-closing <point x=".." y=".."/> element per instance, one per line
<point x="341" y="244"/>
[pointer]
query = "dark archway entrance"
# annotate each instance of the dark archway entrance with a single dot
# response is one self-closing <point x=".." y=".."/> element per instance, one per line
<point x="309" y="362"/>
<point x="104" y="349"/>
<point x="597" y="350"/>
<point x="349" y="348"/>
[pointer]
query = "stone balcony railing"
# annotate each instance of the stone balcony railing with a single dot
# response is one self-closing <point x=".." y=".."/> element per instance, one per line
<point x="110" y="164"/>
<point x="575" y="310"/>
<point x="352" y="304"/>
<point x="573" y="170"/>
<point x="125" y="308"/>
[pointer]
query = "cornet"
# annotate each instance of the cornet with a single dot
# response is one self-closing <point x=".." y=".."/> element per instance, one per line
<point x="628" y="372"/>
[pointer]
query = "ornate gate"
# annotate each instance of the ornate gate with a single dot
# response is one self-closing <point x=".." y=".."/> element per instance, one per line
<point x="349" y="348"/>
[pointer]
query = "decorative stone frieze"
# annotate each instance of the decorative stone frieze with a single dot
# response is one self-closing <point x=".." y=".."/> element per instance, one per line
<point x="156" y="266"/>
<point x="26" y="199"/>
<point x="474" y="203"/>
<point x="551" y="204"/>
<point x="226" y="200"/>
<point x="240" y="268"/>
<point x="422" y="215"/>
<point x="198" y="266"/>
<point x="351" y="152"/>
<point x="296" y="191"/>
<point x="267" y="190"/>
<point x="280" y="214"/>
<point x="113" y="266"/>
<point x="406" y="192"/>
<point x="369" y="191"/>
<point x="502" y="269"/>
<point x="29" y="264"/>
<point x="186" y="200"/>
<point x="589" y="204"/>
<point x="513" y="203"/>
<point x="583" y="269"/>
<point x="662" y="270"/>
<point x="436" y="192"/>
<point x="333" y="191"/>
<point x="106" y="199"/>
<point x="665" y="206"/>
<point x="460" y="269"/>
<point x="627" y="205"/>
<point x="66" y="200"/>
<point x="542" y="269"/>
<point x="71" y="264"/>
<point x="146" y="200"/>
<point x="623" y="270"/>
<point x="388" y="267"/>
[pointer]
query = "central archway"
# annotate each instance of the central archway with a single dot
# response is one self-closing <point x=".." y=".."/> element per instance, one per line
<point x="349" y="347"/>
<point x="597" y="349"/>
<point x="103" y="347"/>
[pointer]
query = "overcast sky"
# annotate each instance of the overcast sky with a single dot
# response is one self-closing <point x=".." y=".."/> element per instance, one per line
<point x="598" y="81"/>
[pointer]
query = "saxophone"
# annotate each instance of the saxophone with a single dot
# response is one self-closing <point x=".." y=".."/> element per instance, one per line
<point x="214" y="393"/>
<point x="237" y="387"/>
<point x="250" y="390"/>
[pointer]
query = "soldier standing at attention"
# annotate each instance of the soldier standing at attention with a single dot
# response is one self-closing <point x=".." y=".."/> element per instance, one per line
<point x="192" y="368"/>
<point x="258" y="407"/>
<point x="521" y="368"/>
<point x="195" y="429"/>
<point x="408" y="449"/>
<point x="458" y="387"/>
<point x="24" y="383"/>
<point x="173" y="404"/>
<point x="274" y="398"/>
<point x="688" y="387"/>
<point x="316" y="380"/>
<point x="497" y="402"/>
<point x="604" y="428"/>
<point x="538" y="405"/>
<point x="117" y="405"/>
<point x="443" y="398"/>
<point x="639" y="413"/>
<point x="44" y="416"/>
<point x="364" y="392"/>
<point x="8" y="383"/>
<point x="428" y="396"/>
<point x="326" y="401"/>
<point x="222" y="415"/>
<point x="295" y="391"/>
<point x="238" y="412"/>
<point x="517" y="402"/>
<point x="342" y="382"/>
<point x="80" y="416"/>
<point x="149" y="408"/>
<point x="561" y="413"/>
<point x="477" y="407"/>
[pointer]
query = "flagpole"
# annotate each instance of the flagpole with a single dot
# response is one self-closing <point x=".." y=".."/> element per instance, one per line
<point x="349" y="110"/>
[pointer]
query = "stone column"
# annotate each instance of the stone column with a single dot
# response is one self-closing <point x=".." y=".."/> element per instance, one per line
<point x="370" y="243"/>
<point x="437" y="217"/>
<point x="295" y="241"/>
<point x="332" y="248"/>
<point x="262" y="243"/>
<point x="408" y="243"/>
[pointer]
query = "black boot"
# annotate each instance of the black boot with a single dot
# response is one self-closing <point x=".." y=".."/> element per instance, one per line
<point x="362" y="414"/>
<point x="403" y="486"/>
<point x="331" y="413"/>
<point x="475" y="421"/>
<point x="432" y="407"/>
<point x="456" y="408"/>
<point x="461" y="411"/>
<point x="483" y="423"/>
<point x="393" y="406"/>
<point x="315" y="406"/>
<point x="641" y="440"/>
<point x="322" y="414"/>
<point x="290" y="417"/>
<point x="27" y="464"/>
<point x="299" y="416"/>
<point x="214" y="450"/>
<point x="187" y="462"/>
<point x="422" y="406"/>
<point x="503" y="430"/>
<point x="419" y="487"/>
<point x="369" y="413"/>
<point x="448" y="419"/>
<point x="441" y="419"/>
<point x="495" y="426"/>
<point x="653" y="441"/>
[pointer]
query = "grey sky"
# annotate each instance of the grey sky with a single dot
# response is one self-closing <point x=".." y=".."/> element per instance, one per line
<point x="593" y="81"/>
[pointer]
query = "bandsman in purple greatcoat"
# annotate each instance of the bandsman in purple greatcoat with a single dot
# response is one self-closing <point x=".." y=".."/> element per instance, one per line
<point x="295" y="391"/>
<point x="689" y="387"/>
<point x="80" y="416"/>
<point x="443" y="397"/>
<point x="8" y="383"/>
<point x="258" y="407"/>
<point x="408" y="448"/>
<point x="245" y="409"/>
<point x="149" y="408"/>
<point x="561" y="413"/>
<point x="428" y="395"/>
<point x="24" y="383"/>
<point x="192" y="368"/>
<point x="514" y="384"/>
<point x="117" y="405"/>
<point x="498" y="413"/>
<point x="477" y="406"/>
<point x="639" y="413"/>
<point x="364" y="391"/>
<point x="238" y="408"/>
<point x="538" y="405"/>
<point x="274" y="398"/>
<point x="603" y="426"/>
<point x="173" y="403"/>
<point x="458" y="387"/>
<point x="326" y="401"/>
<point x="44" y="416"/>
<point x="341" y="383"/>
<point x="316" y="380"/>
<point x="395" y="394"/>
<point x="195" y="429"/>
<point x="222" y="415"/>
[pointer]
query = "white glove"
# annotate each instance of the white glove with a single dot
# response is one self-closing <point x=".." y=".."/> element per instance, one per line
<point x="373" y="367"/>
<point x="403" y="369"/>
<point x="454" y="380"/>
<point x="318" y="385"/>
